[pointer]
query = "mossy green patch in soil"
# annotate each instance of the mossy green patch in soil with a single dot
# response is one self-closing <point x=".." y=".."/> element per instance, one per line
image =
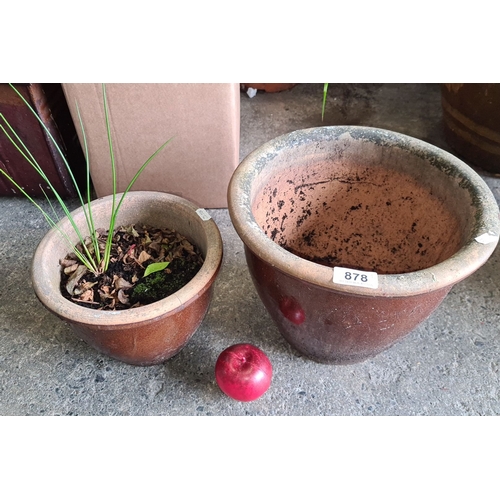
<point x="161" y="284"/>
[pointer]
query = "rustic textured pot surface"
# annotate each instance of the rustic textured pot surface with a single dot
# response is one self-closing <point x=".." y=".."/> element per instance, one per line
<point x="315" y="205"/>
<point x="471" y="117"/>
<point x="148" y="334"/>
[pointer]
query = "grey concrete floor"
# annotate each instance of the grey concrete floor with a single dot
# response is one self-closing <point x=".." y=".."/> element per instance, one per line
<point x="449" y="365"/>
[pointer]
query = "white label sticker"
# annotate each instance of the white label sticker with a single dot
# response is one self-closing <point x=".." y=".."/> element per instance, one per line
<point x="353" y="277"/>
<point x="488" y="237"/>
<point x="204" y="215"/>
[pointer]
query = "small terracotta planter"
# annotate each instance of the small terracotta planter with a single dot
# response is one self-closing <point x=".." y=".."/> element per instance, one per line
<point x="354" y="235"/>
<point x="152" y="333"/>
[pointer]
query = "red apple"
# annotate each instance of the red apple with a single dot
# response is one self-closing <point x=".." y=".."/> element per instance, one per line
<point x="292" y="311"/>
<point x="243" y="372"/>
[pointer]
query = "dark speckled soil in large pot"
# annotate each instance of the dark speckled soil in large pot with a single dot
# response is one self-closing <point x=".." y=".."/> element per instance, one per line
<point x="371" y="219"/>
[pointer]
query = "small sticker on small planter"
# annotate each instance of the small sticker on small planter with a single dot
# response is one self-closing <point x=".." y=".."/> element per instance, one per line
<point x="204" y="215"/>
<point x="354" y="277"/>
<point x="488" y="237"/>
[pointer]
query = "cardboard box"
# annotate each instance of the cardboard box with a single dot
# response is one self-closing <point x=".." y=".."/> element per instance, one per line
<point x="203" y="119"/>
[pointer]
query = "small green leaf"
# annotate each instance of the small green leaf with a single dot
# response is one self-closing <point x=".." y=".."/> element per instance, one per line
<point x="155" y="267"/>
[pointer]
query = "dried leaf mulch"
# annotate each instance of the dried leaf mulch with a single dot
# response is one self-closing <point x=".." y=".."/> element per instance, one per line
<point x="124" y="286"/>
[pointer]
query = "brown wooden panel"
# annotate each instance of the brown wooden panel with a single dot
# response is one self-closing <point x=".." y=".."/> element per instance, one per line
<point x="49" y="102"/>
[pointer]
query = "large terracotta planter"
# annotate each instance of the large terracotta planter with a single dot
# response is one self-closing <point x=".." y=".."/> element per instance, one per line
<point x="152" y="333"/>
<point x="357" y="199"/>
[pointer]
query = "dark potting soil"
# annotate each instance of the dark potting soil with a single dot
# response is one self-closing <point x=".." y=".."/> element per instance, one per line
<point x="123" y="285"/>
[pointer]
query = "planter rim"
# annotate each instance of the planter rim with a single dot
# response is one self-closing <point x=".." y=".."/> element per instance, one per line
<point x="463" y="263"/>
<point x="75" y="313"/>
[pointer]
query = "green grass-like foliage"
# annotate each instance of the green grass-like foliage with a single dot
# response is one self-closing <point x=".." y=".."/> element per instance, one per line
<point x="325" y="92"/>
<point x="91" y="255"/>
